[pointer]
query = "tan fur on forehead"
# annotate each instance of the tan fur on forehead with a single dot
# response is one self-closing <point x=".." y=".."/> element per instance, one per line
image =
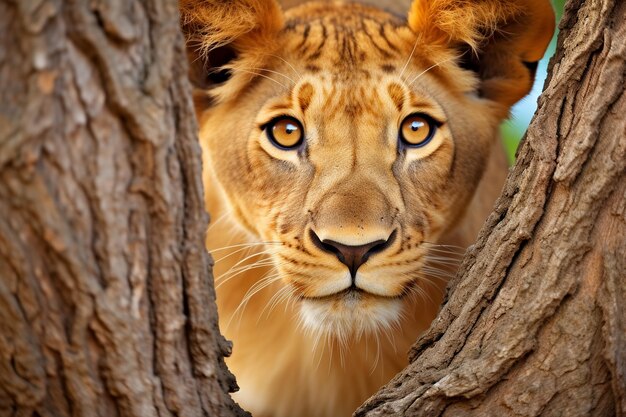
<point x="341" y="13"/>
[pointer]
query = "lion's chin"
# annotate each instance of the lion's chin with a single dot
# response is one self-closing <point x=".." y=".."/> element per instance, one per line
<point x="350" y="314"/>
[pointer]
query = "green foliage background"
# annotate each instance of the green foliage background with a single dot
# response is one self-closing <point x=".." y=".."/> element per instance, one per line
<point x="514" y="128"/>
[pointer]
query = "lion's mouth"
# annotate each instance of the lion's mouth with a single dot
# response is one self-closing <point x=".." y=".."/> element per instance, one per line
<point x="353" y="293"/>
<point x="352" y="311"/>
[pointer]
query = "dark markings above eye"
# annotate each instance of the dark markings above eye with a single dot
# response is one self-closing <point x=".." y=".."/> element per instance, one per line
<point x="305" y="35"/>
<point x="312" y="68"/>
<point x="305" y="95"/>
<point x="396" y="92"/>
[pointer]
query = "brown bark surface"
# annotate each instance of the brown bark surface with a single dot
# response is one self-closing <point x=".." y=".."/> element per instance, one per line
<point x="106" y="296"/>
<point x="535" y="323"/>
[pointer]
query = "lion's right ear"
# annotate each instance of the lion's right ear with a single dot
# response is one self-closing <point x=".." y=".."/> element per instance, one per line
<point x="501" y="40"/>
<point x="221" y="32"/>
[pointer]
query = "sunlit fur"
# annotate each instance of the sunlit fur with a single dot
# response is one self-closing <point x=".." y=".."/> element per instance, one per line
<point x="306" y="344"/>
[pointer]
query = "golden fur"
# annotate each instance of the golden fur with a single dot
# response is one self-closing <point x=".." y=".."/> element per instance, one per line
<point x="310" y="338"/>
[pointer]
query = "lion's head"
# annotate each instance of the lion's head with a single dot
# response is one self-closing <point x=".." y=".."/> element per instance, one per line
<point x="353" y="137"/>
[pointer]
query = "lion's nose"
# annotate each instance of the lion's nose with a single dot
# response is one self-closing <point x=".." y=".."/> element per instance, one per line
<point x="352" y="256"/>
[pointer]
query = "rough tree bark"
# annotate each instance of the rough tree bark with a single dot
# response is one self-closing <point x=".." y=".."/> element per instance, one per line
<point x="535" y="323"/>
<point x="106" y="297"/>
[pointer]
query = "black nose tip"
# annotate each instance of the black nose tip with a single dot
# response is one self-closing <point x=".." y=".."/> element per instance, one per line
<point x="352" y="256"/>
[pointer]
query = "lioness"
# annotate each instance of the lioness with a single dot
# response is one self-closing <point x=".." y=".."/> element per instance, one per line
<point x="344" y="148"/>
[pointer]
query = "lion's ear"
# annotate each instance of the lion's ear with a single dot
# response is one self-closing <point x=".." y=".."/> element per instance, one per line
<point x="502" y="40"/>
<point x="220" y="32"/>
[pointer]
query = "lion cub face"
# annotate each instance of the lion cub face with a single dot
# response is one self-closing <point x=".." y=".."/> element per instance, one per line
<point x="355" y="140"/>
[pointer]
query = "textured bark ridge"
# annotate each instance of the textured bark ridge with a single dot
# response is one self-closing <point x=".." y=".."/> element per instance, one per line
<point x="535" y="323"/>
<point x="106" y="295"/>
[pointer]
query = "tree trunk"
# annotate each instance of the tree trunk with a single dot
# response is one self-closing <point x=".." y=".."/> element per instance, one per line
<point x="106" y="295"/>
<point x="535" y="322"/>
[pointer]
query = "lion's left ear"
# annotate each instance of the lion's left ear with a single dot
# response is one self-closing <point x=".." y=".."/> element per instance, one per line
<point x="223" y="33"/>
<point x="503" y="40"/>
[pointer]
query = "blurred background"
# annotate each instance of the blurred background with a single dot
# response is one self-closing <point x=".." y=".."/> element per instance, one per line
<point x="514" y="128"/>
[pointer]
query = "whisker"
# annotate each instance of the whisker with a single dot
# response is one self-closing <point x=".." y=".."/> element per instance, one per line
<point x="410" y="56"/>
<point x="429" y="281"/>
<point x="288" y="63"/>
<point x="446" y="252"/>
<point x="238" y="269"/>
<point x="431" y="67"/>
<point x="439" y="245"/>
<point x="437" y="273"/>
<point x="331" y="342"/>
<point x="324" y="346"/>
<point x="448" y="265"/>
<point x="224" y="280"/>
<point x="246" y="245"/>
<point x="274" y="301"/>
<point x="233" y="231"/>
<point x="342" y="345"/>
<point x="254" y="290"/>
<point x="423" y="294"/>
<point x="261" y="75"/>
<point x="274" y="72"/>
<point x="443" y="255"/>
<point x="377" y="358"/>
<point x="258" y="286"/>
<point x="219" y="220"/>
<point x="443" y="261"/>
<point x="241" y="261"/>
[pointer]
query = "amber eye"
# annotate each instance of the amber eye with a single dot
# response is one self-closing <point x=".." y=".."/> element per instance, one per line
<point x="285" y="132"/>
<point x="417" y="130"/>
